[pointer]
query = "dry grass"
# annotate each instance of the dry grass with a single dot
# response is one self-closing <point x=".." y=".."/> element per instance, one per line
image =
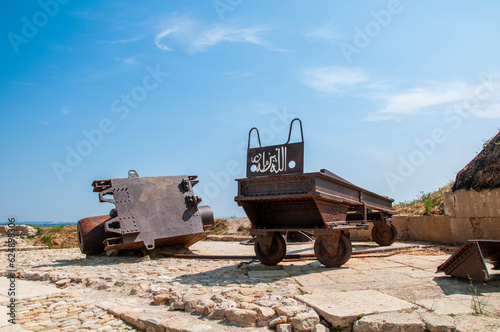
<point x="426" y="204"/>
<point x="220" y="227"/>
<point x="55" y="237"/>
<point x="233" y="226"/>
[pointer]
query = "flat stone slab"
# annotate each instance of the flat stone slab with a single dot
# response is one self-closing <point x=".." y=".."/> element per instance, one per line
<point x="4" y="319"/>
<point x="182" y="324"/>
<point x="471" y="323"/>
<point x="343" y="308"/>
<point x="390" y="321"/>
<point x="435" y="323"/>
<point x="451" y="305"/>
<point x="26" y="289"/>
<point x="13" y="328"/>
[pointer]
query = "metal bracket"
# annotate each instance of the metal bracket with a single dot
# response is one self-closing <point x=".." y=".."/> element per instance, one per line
<point x="107" y="191"/>
<point x="133" y="174"/>
<point x="192" y="202"/>
<point x="286" y="158"/>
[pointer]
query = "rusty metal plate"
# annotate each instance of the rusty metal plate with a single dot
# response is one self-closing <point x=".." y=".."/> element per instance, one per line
<point x="468" y="261"/>
<point x="149" y="212"/>
<point x="273" y="160"/>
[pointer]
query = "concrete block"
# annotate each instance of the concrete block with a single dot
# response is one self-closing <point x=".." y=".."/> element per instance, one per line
<point x="417" y="228"/>
<point x="471" y="203"/>
<point x="401" y="224"/>
<point x="430" y="228"/>
<point x="461" y="230"/>
<point x="486" y="228"/>
<point x="449" y="204"/>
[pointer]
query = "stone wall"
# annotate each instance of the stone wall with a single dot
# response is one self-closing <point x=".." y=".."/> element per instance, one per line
<point x="468" y="215"/>
<point x="444" y="229"/>
<point x="472" y="204"/>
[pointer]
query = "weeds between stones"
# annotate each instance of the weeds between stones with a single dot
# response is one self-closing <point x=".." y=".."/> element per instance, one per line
<point x="477" y="303"/>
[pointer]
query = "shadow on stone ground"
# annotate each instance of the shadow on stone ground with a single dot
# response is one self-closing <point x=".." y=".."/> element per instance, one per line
<point x="459" y="286"/>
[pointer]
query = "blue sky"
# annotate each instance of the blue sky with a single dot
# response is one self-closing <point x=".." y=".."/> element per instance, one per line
<point x="394" y="96"/>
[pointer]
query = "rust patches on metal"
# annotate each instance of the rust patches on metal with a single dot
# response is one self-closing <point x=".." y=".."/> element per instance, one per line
<point x="149" y="212"/>
<point x="91" y="234"/>
<point x="468" y="261"/>
<point x="279" y="198"/>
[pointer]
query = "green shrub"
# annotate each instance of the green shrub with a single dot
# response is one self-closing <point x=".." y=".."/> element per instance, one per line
<point x="47" y="240"/>
<point x="56" y="229"/>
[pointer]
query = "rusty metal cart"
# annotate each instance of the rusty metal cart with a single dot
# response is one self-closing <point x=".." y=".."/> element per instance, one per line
<point x="150" y="212"/>
<point x="278" y="198"/>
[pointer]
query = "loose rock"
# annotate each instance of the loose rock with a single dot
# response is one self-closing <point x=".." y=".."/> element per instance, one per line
<point x="278" y="320"/>
<point x="305" y="321"/>
<point x="161" y="298"/>
<point x="284" y="328"/>
<point x="243" y="317"/>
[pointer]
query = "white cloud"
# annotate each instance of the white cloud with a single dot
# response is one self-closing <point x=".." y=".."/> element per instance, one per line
<point x="65" y="110"/>
<point x="160" y="36"/>
<point x="196" y="37"/>
<point x="333" y="79"/>
<point x="418" y="98"/>
<point x="45" y="123"/>
<point x="129" y="61"/>
<point x="282" y="50"/>
<point x="443" y="94"/>
<point x="120" y="41"/>
<point x="395" y="102"/>
<point x="489" y="112"/>
<point x="328" y="32"/>
<point x="236" y="74"/>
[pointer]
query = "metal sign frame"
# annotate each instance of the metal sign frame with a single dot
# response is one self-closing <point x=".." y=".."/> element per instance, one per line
<point x="273" y="160"/>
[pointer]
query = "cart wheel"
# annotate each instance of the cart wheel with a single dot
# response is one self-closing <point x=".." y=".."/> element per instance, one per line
<point x="276" y="252"/>
<point x="384" y="235"/>
<point x="337" y="259"/>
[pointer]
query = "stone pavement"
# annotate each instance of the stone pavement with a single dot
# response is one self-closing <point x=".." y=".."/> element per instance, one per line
<point x="396" y="291"/>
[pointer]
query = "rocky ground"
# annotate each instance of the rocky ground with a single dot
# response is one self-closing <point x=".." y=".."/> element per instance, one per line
<point x="396" y="291"/>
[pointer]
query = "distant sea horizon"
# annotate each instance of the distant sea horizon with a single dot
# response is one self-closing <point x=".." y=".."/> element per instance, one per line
<point x="44" y="223"/>
<point x="71" y="223"/>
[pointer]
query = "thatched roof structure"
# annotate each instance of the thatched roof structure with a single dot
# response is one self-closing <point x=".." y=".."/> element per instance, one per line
<point x="483" y="172"/>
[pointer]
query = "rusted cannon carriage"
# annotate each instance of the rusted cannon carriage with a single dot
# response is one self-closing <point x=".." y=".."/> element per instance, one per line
<point x="149" y="213"/>
<point x="278" y="198"/>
